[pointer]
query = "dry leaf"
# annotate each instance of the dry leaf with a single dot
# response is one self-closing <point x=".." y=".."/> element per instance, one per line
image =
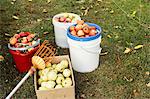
<point x="148" y="84"/>
<point x="45" y="33"/>
<point x="44" y="11"/>
<point x="105" y="53"/>
<point x="138" y="47"/>
<point x="48" y="1"/>
<point x="1" y="58"/>
<point x="86" y="11"/>
<point x="147" y="73"/>
<point x="127" y="50"/>
<point x="109" y="36"/>
<point x="30" y="0"/>
<point x="39" y="20"/>
<point x="15" y="17"/>
<point x="111" y="11"/>
<point x="6" y="34"/>
<point x="136" y="93"/>
<point x="99" y="0"/>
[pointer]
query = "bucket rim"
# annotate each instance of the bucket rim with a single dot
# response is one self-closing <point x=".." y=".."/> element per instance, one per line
<point x="87" y="38"/>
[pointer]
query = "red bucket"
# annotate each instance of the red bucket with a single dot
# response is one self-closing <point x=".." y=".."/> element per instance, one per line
<point x="23" y="61"/>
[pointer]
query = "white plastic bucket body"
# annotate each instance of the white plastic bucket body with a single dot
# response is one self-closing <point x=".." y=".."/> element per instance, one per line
<point x="60" y="30"/>
<point x="84" y="54"/>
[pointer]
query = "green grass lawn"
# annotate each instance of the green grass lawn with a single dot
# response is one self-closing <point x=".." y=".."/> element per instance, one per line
<point x="125" y="23"/>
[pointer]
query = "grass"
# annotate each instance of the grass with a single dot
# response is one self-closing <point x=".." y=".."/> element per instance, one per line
<point x="119" y="76"/>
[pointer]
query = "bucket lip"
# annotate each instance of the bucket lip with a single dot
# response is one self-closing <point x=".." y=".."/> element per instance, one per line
<point x="60" y="14"/>
<point x="87" y="38"/>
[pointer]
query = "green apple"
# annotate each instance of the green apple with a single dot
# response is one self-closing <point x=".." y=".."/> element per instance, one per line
<point x="43" y="88"/>
<point x="59" y="67"/>
<point x="67" y="82"/>
<point x="58" y="86"/>
<point x="66" y="73"/>
<point x="40" y="81"/>
<point x="50" y="84"/>
<point x="64" y="63"/>
<point x="52" y="75"/>
<point x="44" y="78"/>
<point x="59" y="79"/>
<point x="48" y="64"/>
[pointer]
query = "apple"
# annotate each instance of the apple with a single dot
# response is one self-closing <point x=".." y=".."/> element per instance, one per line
<point x="59" y="67"/>
<point x="58" y="86"/>
<point x="80" y="22"/>
<point x="92" y="28"/>
<point x="78" y="27"/>
<point x="66" y="73"/>
<point x="72" y="28"/>
<point x="43" y="88"/>
<point x="24" y="40"/>
<point x="40" y="81"/>
<point x="80" y="33"/>
<point x="92" y="32"/>
<point x="48" y="64"/>
<point x="50" y="84"/>
<point x="86" y="29"/>
<point x="67" y="82"/>
<point x="68" y="20"/>
<point x="74" y="33"/>
<point x="16" y="36"/>
<point x="61" y="19"/>
<point x="44" y="78"/>
<point x="13" y="41"/>
<point x="85" y="25"/>
<point x="45" y="71"/>
<point x="54" y="66"/>
<point x="59" y="79"/>
<point x="33" y="42"/>
<point x="64" y="63"/>
<point x="52" y="75"/>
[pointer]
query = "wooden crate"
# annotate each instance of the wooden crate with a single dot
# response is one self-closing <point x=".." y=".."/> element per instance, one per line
<point x="61" y="93"/>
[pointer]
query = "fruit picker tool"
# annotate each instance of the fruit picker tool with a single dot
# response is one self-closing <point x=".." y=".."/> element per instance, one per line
<point x="43" y="55"/>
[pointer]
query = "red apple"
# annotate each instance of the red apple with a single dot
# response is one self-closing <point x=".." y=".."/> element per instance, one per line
<point x="92" y="28"/>
<point x="68" y="20"/>
<point x="78" y="27"/>
<point x="80" y="33"/>
<point x="17" y="36"/>
<point x="81" y="22"/>
<point x="61" y="19"/>
<point x="72" y="28"/>
<point x="86" y="29"/>
<point x="74" y="33"/>
<point x="24" y="40"/>
<point x="13" y="41"/>
<point x="92" y="32"/>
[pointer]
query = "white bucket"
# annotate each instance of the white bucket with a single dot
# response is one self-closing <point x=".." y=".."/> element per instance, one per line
<point x="85" y="52"/>
<point x="60" y="30"/>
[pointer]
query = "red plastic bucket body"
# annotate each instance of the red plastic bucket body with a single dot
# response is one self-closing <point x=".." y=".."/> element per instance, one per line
<point x="23" y="61"/>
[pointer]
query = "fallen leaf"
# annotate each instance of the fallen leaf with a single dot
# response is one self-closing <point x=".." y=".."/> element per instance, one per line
<point x="81" y="1"/>
<point x="138" y="47"/>
<point x="13" y="0"/>
<point x="48" y="1"/>
<point x="148" y="84"/>
<point x="15" y="17"/>
<point x="45" y="33"/>
<point x="1" y="58"/>
<point x="127" y="50"/>
<point x="39" y="20"/>
<point x="133" y="13"/>
<point x="128" y="79"/>
<point x="30" y="0"/>
<point x="86" y="11"/>
<point x="109" y="36"/>
<point x="83" y="96"/>
<point x="99" y="0"/>
<point x="136" y="93"/>
<point x="111" y="11"/>
<point x="105" y="53"/>
<point x="147" y="73"/>
<point x="6" y="34"/>
<point x="44" y="11"/>
<point x="83" y="8"/>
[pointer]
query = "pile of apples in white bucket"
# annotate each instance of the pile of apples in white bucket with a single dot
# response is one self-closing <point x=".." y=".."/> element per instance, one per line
<point x="55" y="76"/>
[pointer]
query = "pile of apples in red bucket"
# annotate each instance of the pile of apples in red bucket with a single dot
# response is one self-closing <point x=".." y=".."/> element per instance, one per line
<point x="23" y="40"/>
<point x="83" y="30"/>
